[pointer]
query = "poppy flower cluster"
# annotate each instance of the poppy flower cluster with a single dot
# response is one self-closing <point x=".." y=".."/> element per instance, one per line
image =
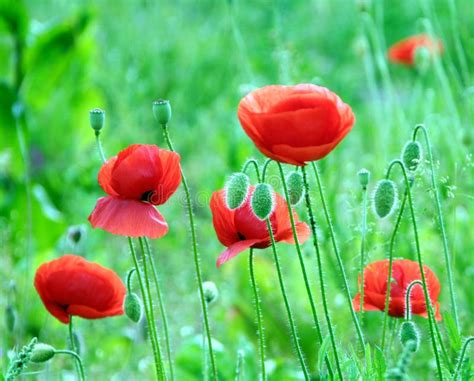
<point x="404" y="51"/>
<point x="404" y="272"/>
<point x="240" y="229"/>
<point x="73" y="286"/>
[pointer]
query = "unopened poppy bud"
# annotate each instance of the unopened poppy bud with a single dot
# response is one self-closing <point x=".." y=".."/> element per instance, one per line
<point x="133" y="307"/>
<point x="262" y="201"/>
<point x="385" y="198"/>
<point x="97" y="119"/>
<point x="412" y="155"/>
<point x="211" y="293"/>
<point x="42" y="353"/>
<point x="422" y="58"/>
<point x="75" y="233"/>
<point x="10" y="318"/>
<point x="364" y="177"/>
<point x="236" y="190"/>
<point x="295" y="187"/>
<point x="162" y="111"/>
<point x="409" y="335"/>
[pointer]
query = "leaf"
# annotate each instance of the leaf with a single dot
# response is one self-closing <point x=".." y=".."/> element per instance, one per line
<point x="322" y="353"/>
<point x="380" y="365"/>
<point x="454" y="338"/>
<point x="14" y="15"/>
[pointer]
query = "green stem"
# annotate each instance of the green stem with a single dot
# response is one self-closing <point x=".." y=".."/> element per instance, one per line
<point x="461" y="357"/>
<point x="253" y="162"/>
<point x="72" y="342"/>
<point x="161" y="306"/>
<point x="129" y="280"/>
<point x="79" y="365"/>
<point x="196" y="258"/>
<point x="407" y="298"/>
<point x="99" y="146"/>
<point x="238" y="368"/>
<point x="457" y="41"/>
<point x="258" y="310"/>
<point x="320" y="271"/>
<point x="338" y="257"/>
<point x="362" y="252"/>
<point x="447" y="257"/>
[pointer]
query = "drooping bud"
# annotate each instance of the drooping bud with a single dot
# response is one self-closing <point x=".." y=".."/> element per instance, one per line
<point x="76" y="233"/>
<point x="262" y="201"/>
<point x="162" y="111"/>
<point x="364" y="178"/>
<point x="385" y="198"/>
<point x="236" y="190"/>
<point x="412" y="155"/>
<point x="409" y="335"/>
<point x="422" y="58"/>
<point x="42" y="353"/>
<point x="10" y="317"/>
<point x="97" y="119"/>
<point x="133" y="307"/>
<point x="211" y="293"/>
<point x="295" y="187"/>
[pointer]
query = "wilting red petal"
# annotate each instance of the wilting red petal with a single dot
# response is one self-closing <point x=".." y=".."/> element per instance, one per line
<point x="234" y="249"/>
<point x="128" y="218"/>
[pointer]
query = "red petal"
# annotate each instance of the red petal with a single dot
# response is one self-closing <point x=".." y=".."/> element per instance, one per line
<point x="171" y="176"/>
<point x="235" y="249"/>
<point x="128" y="218"/>
<point x="105" y="176"/>
<point x="223" y="220"/>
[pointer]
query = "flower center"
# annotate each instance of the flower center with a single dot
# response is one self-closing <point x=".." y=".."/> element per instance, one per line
<point x="148" y="196"/>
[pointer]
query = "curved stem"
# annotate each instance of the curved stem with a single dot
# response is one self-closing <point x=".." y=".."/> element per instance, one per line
<point x="196" y="258"/>
<point x="362" y="252"/>
<point x="338" y="257"/>
<point x="320" y="271"/>
<point x="79" y="365"/>
<point x="447" y="258"/>
<point x="461" y="357"/>
<point x="258" y="310"/>
<point x="129" y="280"/>
<point x="407" y="298"/>
<point x="99" y="146"/>
<point x="255" y="164"/>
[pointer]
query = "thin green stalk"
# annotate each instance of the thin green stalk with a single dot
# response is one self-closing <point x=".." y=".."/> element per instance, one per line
<point x="79" y="365"/>
<point x="239" y="366"/>
<point x="362" y="252"/>
<point x="258" y="310"/>
<point x="99" y="146"/>
<point x="338" y="257"/>
<point x="320" y="271"/>
<point x="457" y="41"/>
<point x="431" y="320"/>
<point x="447" y="257"/>
<point x="72" y="343"/>
<point x="407" y="298"/>
<point x="461" y="357"/>
<point x="253" y="162"/>
<point x="161" y="306"/>
<point x="196" y="258"/>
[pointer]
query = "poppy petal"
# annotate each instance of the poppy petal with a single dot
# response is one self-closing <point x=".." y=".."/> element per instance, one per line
<point x="105" y="176"/>
<point x="235" y="249"/>
<point x="171" y="176"/>
<point x="223" y="220"/>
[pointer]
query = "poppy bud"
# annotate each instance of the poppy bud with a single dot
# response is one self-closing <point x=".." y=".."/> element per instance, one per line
<point x="295" y="187"/>
<point x="364" y="177"/>
<point x="409" y="335"/>
<point x="133" y="307"/>
<point x="385" y="198"/>
<point x="211" y="293"/>
<point x="162" y="111"/>
<point x="262" y="201"/>
<point x="75" y="233"/>
<point x="42" y="353"/>
<point x="10" y="318"/>
<point x="97" y="119"/>
<point x="236" y="190"/>
<point x="411" y="155"/>
<point x="422" y="58"/>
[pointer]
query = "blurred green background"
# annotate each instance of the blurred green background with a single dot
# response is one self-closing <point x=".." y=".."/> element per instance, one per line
<point x="62" y="58"/>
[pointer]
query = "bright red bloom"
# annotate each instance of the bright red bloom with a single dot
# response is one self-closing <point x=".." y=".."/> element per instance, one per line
<point x="404" y="272"/>
<point x="403" y="52"/>
<point x="74" y="286"/>
<point x="137" y="179"/>
<point x="239" y="229"/>
<point x="295" y="124"/>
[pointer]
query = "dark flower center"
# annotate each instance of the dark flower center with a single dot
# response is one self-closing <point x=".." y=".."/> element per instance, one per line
<point x="148" y="196"/>
<point x="241" y="236"/>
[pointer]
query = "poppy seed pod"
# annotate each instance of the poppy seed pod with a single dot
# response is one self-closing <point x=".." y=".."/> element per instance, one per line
<point x="295" y="187"/>
<point x="412" y="155"/>
<point x="133" y="307"/>
<point x="162" y="111"/>
<point x="364" y="177"/>
<point x="97" y="119"/>
<point x="211" y="293"/>
<point x="262" y="201"/>
<point x="409" y="335"/>
<point x="42" y="353"/>
<point x="385" y="198"/>
<point x="236" y="190"/>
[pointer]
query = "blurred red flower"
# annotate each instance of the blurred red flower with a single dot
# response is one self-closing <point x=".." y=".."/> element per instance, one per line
<point x="403" y="52"/>
<point x="295" y="124"/>
<point x="137" y="179"/>
<point x="74" y="286"/>
<point x="404" y="272"/>
<point x="240" y="229"/>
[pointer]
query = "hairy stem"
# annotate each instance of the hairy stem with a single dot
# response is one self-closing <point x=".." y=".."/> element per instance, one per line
<point x="362" y="252"/>
<point x="461" y="357"/>
<point x="79" y="365"/>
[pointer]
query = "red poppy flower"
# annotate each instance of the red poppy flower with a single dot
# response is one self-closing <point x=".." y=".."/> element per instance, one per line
<point x="137" y="179"/>
<point x="403" y="52"/>
<point x="404" y="272"/>
<point x="295" y="124"/>
<point x="74" y="286"/>
<point x="239" y="229"/>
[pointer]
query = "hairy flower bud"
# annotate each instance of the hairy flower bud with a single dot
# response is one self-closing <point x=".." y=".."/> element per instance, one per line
<point x="162" y="111"/>
<point x="385" y="198"/>
<point x="42" y="353"/>
<point x="409" y="335"/>
<point x="412" y="155"/>
<point x="133" y="307"/>
<point x="211" y="293"/>
<point x="364" y="177"/>
<point x="262" y="201"/>
<point x="97" y="119"/>
<point x="236" y="190"/>
<point x="295" y="187"/>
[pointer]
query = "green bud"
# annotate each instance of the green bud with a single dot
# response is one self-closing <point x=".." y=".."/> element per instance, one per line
<point x="295" y="187"/>
<point x="262" y="201"/>
<point x="364" y="177"/>
<point x="10" y="317"/>
<point x="97" y="119"/>
<point x="42" y="353"/>
<point x="211" y="293"/>
<point x="385" y="198"/>
<point x="133" y="307"/>
<point x="412" y="155"/>
<point x="162" y="111"/>
<point x="422" y="58"/>
<point x="236" y="190"/>
<point x="409" y="335"/>
<point x="76" y="233"/>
